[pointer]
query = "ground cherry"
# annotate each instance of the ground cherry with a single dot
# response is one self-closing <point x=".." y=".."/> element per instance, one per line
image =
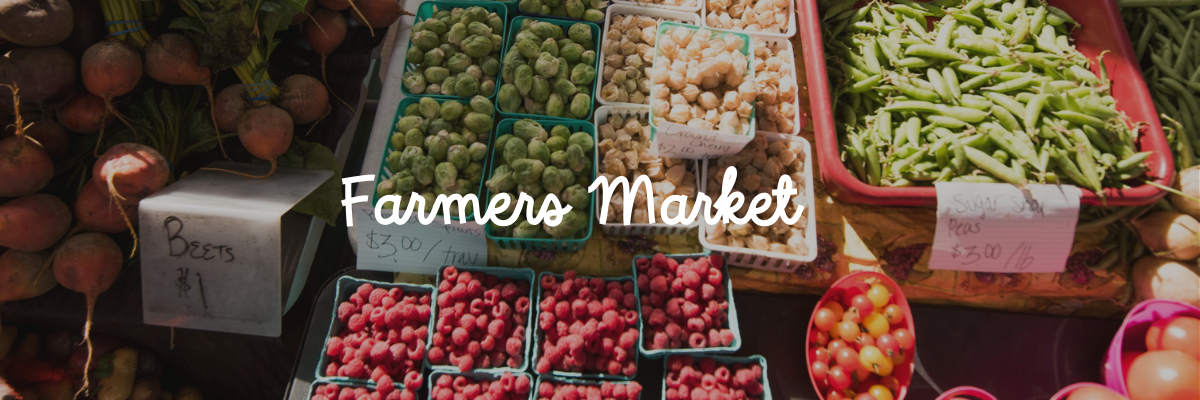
<point x="888" y="345"/>
<point x="876" y="324"/>
<point x="864" y="339"/>
<point x="879" y="295"/>
<point x="838" y="378"/>
<point x="847" y="330"/>
<point x="825" y="319"/>
<point x="863" y="304"/>
<point x="894" y="314"/>
<point x="819" y="370"/>
<point x="847" y="358"/>
<point x="875" y="361"/>
<point x="905" y="339"/>
<point x="880" y="392"/>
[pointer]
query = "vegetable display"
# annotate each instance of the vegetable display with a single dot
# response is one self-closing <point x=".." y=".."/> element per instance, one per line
<point x="775" y="107"/>
<point x="456" y="53"/>
<point x="759" y="166"/>
<point x="858" y="341"/>
<point x="382" y="336"/>
<point x="549" y="70"/>
<point x="588" y="10"/>
<point x="628" y="50"/>
<point x="625" y="150"/>
<point x="538" y="163"/>
<point x="482" y="321"/>
<point x="748" y="15"/>
<point x="700" y="79"/>
<point x="993" y="92"/>
<point x="438" y="147"/>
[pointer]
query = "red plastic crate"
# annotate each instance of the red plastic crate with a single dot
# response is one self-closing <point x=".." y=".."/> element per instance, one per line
<point x="1102" y="30"/>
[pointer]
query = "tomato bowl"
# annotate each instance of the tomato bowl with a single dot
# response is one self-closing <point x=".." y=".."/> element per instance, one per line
<point x="1131" y="336"/>
<point x="843" y="292"/>
<point x="1064" y="392"/>
<point x="970" y="392"/>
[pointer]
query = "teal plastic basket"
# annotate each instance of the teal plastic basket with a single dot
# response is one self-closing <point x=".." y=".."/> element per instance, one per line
<point x="732" y="323"/>
<point x="516" y="274"/>
<point x="426" y="9"/>
<point x="727" y="360"/>
<point x="537" y="335"/>
<point x="540" y="15"/>
<point x="747" y="49"/>
<point x="386" y="173"/>
<point x="491" y="376"/>
<point x="312" y="389"/>
<point x="581" y="382"/>
<point x="515" y="26"/>
<point x="505" y="127"/>
<point x="346" y="286"/>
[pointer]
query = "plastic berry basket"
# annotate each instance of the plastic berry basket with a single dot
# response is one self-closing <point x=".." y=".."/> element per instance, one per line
<point x="386" y="172"/>
<point x="693" y="9"/>
<point x="514" y="27"/>
<point x="491" y="376"/>
<point x="427" y="9"/>
<point x="312" y="390"/>
<point x="842" y="291"/>
<point x="1102" y="30"/>
<point x="732" y="323"/>
<point x="618" y="228"/>
<point x="782" y="43"/>
<point x="516" y="274"/>
<point x="537" y="336"/>
<point x="574" y="244"/>
<point x="768" y="260"/>
<point x="578" y="382"/>
<point x="969" y="391"/>
<point x="624" y="9"/>
<point x="787" y="32"/>
<point x="727" y="360"/>
<point x="345" y="287"/>
<point x="1131" y="336"/>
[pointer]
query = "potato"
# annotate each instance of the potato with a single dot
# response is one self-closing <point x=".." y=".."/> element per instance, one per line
<point x="1160" y="278"/>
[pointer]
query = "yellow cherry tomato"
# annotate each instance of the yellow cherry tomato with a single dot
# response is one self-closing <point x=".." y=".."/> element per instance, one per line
<point x="880" y="392"/>
<point x="879" y="295"/>
<point x="847" y="330"/>
<point x="876" y="324"/>
<point x="894" y="314"/>
<point x="837" y="309"/>
<point x="875" y="361"/>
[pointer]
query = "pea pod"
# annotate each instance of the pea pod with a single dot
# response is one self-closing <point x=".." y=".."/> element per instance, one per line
<point x="990" y="165"/>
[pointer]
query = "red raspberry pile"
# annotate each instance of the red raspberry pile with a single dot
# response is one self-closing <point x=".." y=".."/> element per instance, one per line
<point x="481" y="321"/>
<point x="684" y="305"/>
<point x="384" y="335"/>
<point x="711" y="380"/>
<point x="605" y="391"/>
<point x="587" y="325"/>
<point x="385" y="390"/>
<point x="456" y="387"/>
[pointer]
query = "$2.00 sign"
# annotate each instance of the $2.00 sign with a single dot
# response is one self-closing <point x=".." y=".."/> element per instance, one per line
<point x="417" y="248"/>
<point x="989" y="227"/>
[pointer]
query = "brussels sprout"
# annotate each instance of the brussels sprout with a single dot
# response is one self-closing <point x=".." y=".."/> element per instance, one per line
<point x="552" y="3"/>
<point x="436" y="25"/>
<point x="448" y="85"/>
<point x="509" y="98"/>
<point x="433" y="88"/>
<point x="479" y="29"/>
<point x="405" y="184"/>
<point x="593" y="15"/>
<point x="564" y="87"/>
<point x="571" y="224"/>
<point x="571" y="52"/>
<point x="473" y="173"/>
<point x="560" y="131"/>
<point x="550" y="46"/>
<point x="527" y="170"/>
<point x="413" y="110"/>
<point x="538" y="150"/>
<point x="437" y="145"/>
<point x="528" y="130"/>
<point x="436" y="75"/>
<point x="409" y="122"/>
<point x="414" y="55"/>
<point x="500" y="231"/>
<point x="524" y="81"/>
<point x="478" y="122"/>
<point x="449" y="49"/>
<point x="458" y="62"/>
<point x="408" y="156"/>
<point x="577" y="196"/>
<point x="547" y="30"/>
<point x="583" y="74"/>
<point x="497" y="43"/>
<point x="588" y="57"/>
<point x="554" y="105"/>
<point x="539" y="200"/>
<point x="457" y="33"/>
<point x="526" y="230"/>
<point x="455" y="138"/>
<point x="533" y="189"/>
<point x="558" y="159"/>
<point x="481" y="104"/>
<point x="422" y="169"/>
<point x="503" y="140"/>
<point x="438" y="125"/>
<point x="414" y="82"/>
<point x="552" y="179"/>
<point x="414" y="137"/>
<point x="434" y="57"/>
<point x="429" y="107"/>
<point x="575" y="9"/>
<point x="581" y="106"/>
<point x="555" y="11"/>
<point x="546" y="66"/>
<point x="534" y="107"/>
<point x="530" y="6"/>
<point x="426" y="40"/>
<point x="419" y="26"/>
<point x="580" y="33"/>
<point x="459" y="156"/>
<point x="446" y="175"/>
<point x="477" y="46"/>
<point x="490" y="66"/>
<point x="464" y="187"/>
<point x="530" y="36"/>
<point x="475" y="72"/>
<point x="478" y="151"/>
<point x="470" y="137"/>
<point x="451" y="110"/>
<point x="475" y="14"/>
<point x="556" y="144"/>
<point x="502" y="180"/>
<point x="541" y="89"/>
<point x="515" y="150"/>
<point x="495" y="23"/>
<point x="583" y="140"/>
<point x="585" y="90"/>
<point x="488" y="87"/>
<point x="397" y="140"/>
<point x="574" y="155"/>
<point x="466" y="86"/>
<point x="393" y="160"/>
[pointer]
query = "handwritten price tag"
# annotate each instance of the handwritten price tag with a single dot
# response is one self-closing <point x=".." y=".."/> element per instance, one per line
<point x="987" y="227"/>
<point x="682" y="141"/>
<point x="417" y="248"/>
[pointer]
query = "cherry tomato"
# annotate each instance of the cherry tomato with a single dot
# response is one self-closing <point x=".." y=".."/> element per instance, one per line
<point x="819" y="370"/>
<point x="852" y="315"/>
<point x="835" y="345"/>
<point x="875" y="361"/>
<point x="880" y="392"/>
<point x="894" y="314"/>
<point x="876" y="324"/>
<point x="1176" y="333"/>
<point x="847" y="358"/>
<point x="1127" y="358"/>
<point x="835" y="395"/>
<point x="864" y="396"/>
<point x="888" y="345"/>
<point x="848" y="330"/>
<point x="864" y="339"/>
<point x="890" y="382"/>
<point x="818" y="336"/>
<point x="1095" y="393"/>
<point x="863" y="304"/>
<point x="862" y="374"/>
<point x="1164" y="375"/>
<point x="836" y="307"/>
<point x="854" y="289"/>
<point x="879" y="295"/>
<point x="905" y="339"/>
<point x="819" y="354"/>
<point x="838" y="378"/>
<point x="866" y="380"/>
<point x="825" y="319"/>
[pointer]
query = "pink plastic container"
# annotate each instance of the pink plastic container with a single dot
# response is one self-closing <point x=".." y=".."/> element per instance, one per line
<point x="969" y="391"/>
<point x="849" y="286"/>
<point x="1103" y="30"/>
<point x="1062" y="394"/>
<point x="1132" y="336"/>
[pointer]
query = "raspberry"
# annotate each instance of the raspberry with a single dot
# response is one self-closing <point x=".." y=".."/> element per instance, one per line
<point x="357" y="322"/>
<point x="691" y="279"/>
<point x="467" y="322"/>
<point x="547" y="281"/>
<point x="334" y="347"/>
<point x="727" y="337"/>
<point x="445" y="394"/>
<point x="356" y="369"/>
<point x="509" y="291"/>
<point x="465" y="362"/>
<point x="460" y="337"/>
<point x="691" y="295"/>
<point x="379" y="352"/>
<point x="522" y="305"/>
<point x="417" y="352"/>
<point x="406" y="394"/>
<point x="658" y="284"/>
<point x="488" y="343"/>
<point x="584" y="294"/>
<point x="501" y="311"/>
<point x="579" y="308"/>
<point x="375" y="297"/>
<point x="474" y="288"/>
<point x="673" y="330"/>
<point x="547" y="304"/>
<point x="661" y="340"/>
<point x="643" y="282"/>
<point x="695" y="324"/>
<point x="513" y="346"/>
<point x="708" y="291"/>
<point x="677" y="285"/>
<point x="657" y="317"/>
<point x="521" y="385"/>
<point x="399" y="352"/>
<point x="714" y="337"/>
<point x="450" y="273"/>
<point x="618" y="392"/>
<point x="464" y="277"/>
<point x="392" y="318"/>
<point x="628" y="339"/>
<point x="345" y="310"/>
<point x="332" y="369"/>
<point x="384" y="385"/>
<point x="496" y="328"/>
<point x="364" y="290"/>
<point x="630" y="301"/>
<point x="631" y="317"/>
<point x="519" y="332"/>
<point x="714" y="276"/>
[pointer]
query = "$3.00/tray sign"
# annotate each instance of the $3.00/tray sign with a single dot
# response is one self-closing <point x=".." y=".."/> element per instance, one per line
<point x="416" y="248"/>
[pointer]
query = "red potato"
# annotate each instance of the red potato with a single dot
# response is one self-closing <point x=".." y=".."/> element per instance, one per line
<point x="88" y="263"/>
<point x="34" y="222"/>
<point x="174" y="59"/>
<point x="51" y="135"/>
<point x="229" y="106"/>
<point x="85" y="113"/>
<point x="21" y="275"/>
<point x="266" y="132"/>
<point x="110" y="69"/>
<point x="45" y="76"/>
<point x="95" y="211"/>
<point x="304" y="98"/>
<point x="325" y="31"/>
<point x="35" y="23"/>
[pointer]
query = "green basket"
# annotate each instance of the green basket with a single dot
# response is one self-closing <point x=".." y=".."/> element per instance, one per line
<point x="537" y="335"/>
<point x="505" y="127"/>
<point x="386" y="173"/>
<point x="754" y="359"/>
<point x="514" y="27"/>
<point x="540" y="15"/>
<point x="732" y="322"/>
<point x="501" y="8"/>
<point x="747" y="49"/>
<point x="491" y="376"/>
<point x="516" y="274"/>
<point x="582" y="382"/>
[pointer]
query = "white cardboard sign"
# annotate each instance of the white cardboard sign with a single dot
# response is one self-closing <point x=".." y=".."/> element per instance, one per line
<point x="682" y="141"/>
<point x="211" y="248"/>
<point x="416" y="248"/>
<point x="987" y="227"/>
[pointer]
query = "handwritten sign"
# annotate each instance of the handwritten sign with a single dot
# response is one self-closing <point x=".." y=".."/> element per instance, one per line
<point x="416" y="248"/>
<point x="682" y="141"/>
<point x="987" y="227"/>
<point x="211" y="248"/>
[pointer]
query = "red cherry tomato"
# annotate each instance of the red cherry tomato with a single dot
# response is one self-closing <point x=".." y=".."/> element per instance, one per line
<point x="864" y="385"/>
<point x="1164" y="375"/>
<point x="1127" y="358"/>
<point x="862" y="374"/>
<point x="863" y="304"/>
<point x="880" y="392"/>
<point x="819" y="354"/>
<point x="819" y="370"/>
<point x="835" y="395"/>
<point x="837" y="309"/>
<point x="835" y="345"/>
<point x="847" y="330"/>
<point x="854" y="289"/>
<point x="838" y="378"/>
<point x="1095" y="393"/>
<point x="1176" y="333"/>
<point x="865" y="396"/>
<point x="905" y="339"/>
<point x="894" y="314"/>
<point x="847" y="358"/>
<point x="818" y="337"/>
<point x="864" y="339"/>
<point x="888" y="345"/>
<point x="825" y="319"/>
<point x="890" y="382"/>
